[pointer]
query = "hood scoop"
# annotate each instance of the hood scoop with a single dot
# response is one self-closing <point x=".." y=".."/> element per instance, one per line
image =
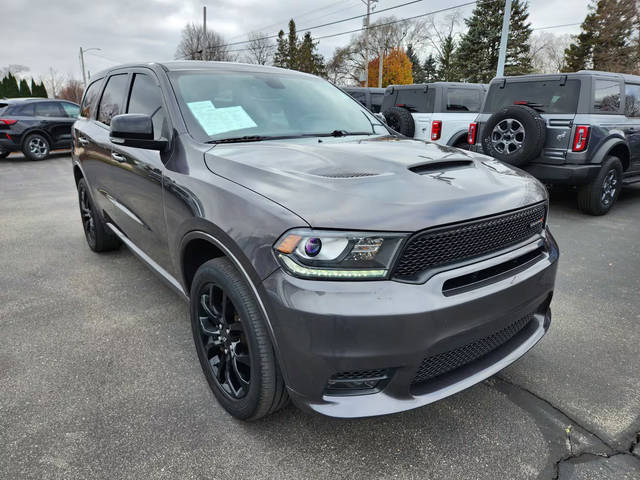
<point x="442" y="166"/>
<point x="342" y="174"/>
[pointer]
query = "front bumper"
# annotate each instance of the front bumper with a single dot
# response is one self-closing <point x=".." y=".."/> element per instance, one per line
<point x="323" y="328"/>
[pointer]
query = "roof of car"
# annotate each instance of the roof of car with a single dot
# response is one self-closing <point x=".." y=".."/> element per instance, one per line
<point x="24" y="99"/>
<point x="581" y="73"/>
<point x="416" y="86"/>
<point x="364" y="89"/>
<point x="177" y="65"/>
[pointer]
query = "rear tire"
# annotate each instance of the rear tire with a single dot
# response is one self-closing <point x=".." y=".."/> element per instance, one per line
<point x="36" y="147"/>
<point x="99" y="236"/>
<point x="233" y="344"/>
<point x="4" y="153"/>
<point x="597" y="197"/>
<point x="400" y="120"/>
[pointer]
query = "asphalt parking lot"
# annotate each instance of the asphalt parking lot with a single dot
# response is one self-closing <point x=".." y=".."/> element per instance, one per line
<point x="99" y="377"/>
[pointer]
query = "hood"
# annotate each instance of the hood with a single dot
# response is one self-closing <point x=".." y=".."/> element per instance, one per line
<point x="382" y="184"/>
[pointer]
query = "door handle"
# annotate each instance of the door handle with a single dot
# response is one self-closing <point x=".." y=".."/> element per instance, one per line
<point x="83" y="141"/>
<point x="118" y="158"/>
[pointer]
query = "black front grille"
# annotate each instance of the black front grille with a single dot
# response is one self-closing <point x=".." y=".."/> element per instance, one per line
<point x="442" y="246"/>
<point x="360" y="374"/>
<point x="436" y="365"/>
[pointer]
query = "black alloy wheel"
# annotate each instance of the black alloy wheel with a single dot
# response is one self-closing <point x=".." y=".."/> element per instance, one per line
<point x="86" y="213"/>
<point x="233" y="343"/>
<point x="598" y="196"/>
<point x="224" y="341"/>
<point x="609" y="187"/>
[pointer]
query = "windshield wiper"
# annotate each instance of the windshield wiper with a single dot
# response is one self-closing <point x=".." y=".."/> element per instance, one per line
<point x="252" y="138"/>
<point x="336" y="133"/>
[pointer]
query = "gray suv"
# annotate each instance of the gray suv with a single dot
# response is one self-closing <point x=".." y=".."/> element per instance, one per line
<point x="579" y="129"/>
<point x="325" y="258"/>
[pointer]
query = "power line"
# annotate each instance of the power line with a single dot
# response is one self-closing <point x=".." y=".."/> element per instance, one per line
<point x="558" y="26"/>
<point x="335" y="22"/>
<point x="378" y="25"/>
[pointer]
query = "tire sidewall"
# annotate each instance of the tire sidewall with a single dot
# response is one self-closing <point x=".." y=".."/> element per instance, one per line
<point x="611" y="163"/>
<point x="92" y="242"/>
<point x="27" y="151"/>
<point x="250" y="316"/>
<point x="400" y="120"/>
<point x="535" y="134"/>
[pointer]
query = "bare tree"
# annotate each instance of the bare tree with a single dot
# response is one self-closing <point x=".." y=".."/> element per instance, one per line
<point x="196" y="44"/>
<point x="338" y="67"/>
<point x="434" y="33"/>
<point x="72" y="91"/>
<point x="54" y="82"/>
<point x="259" y="49"/>
<point x="547" y="51"/>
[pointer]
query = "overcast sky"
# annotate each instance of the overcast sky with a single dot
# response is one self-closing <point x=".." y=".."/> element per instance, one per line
<point x="48" y="33"/>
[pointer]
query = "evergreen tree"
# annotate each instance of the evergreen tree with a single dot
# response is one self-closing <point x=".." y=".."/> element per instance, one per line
<point x="430" y="69"/>
<point x="43" y="90"/>
<point x="2" y="83"/>
<point x="24" y="88"/>
<point x="605" y="40"/>
<point x="292" y="46"/>
<point x="309" y="60"/>
<point x="477" y="52"/>
<point x="11" y="87"/>
<point x="34" y="89"/>
<point x="280" y="57"/>
<point x="447" y="67"/>
<point x="417" y="71"/>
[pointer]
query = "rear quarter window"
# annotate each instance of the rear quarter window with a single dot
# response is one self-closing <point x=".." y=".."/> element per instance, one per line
<point x="89" y="99"/>
<point x="606" y="96"/>
<point x="549" y="96"/>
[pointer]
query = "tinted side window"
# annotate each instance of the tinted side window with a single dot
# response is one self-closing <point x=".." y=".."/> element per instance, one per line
<point x="28" y="110"/>
<point x="49" y="109"/>
<point x="632" y="100"/>
<point x="112" y="98"/>
<point x="89" y="98"/>
<point x="70" y="109"/>
<point x="606" y="96"/>
<point x="146" y="98"/>
<point x="463" y="100"/>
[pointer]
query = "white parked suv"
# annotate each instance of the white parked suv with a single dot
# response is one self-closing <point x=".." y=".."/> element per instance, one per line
<point x="439" y="112"/>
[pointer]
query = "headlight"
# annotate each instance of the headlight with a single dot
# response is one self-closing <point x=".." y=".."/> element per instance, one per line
<point x="336" y="255"/>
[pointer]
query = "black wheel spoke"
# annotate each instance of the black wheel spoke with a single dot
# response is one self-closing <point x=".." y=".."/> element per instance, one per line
<point x="223" y="341"/>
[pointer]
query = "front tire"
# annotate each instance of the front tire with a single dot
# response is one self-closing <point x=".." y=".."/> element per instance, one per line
<point x="597" y="197"/>
<point x="99" y="237"/>
<point x="36" y="147"/>
<point x="232" y="342"/>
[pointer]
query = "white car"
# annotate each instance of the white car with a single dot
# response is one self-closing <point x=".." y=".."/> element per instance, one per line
<point x="439" y="112"/>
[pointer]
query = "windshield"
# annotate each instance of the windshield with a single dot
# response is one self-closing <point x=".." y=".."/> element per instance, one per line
<point x="546" y="96"/>
<point x="231" y="105"/>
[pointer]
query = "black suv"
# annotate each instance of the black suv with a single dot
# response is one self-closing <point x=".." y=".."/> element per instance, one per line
<point x="580" y="129"/>
<point x="36" y="126"/>
<point x="325" y="258"/>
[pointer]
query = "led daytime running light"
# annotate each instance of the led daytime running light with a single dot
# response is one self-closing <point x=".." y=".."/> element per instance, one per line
<point x="330" y="273"/>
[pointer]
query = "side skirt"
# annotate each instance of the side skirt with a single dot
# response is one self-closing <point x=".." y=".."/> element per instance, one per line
<point x="161" y="272"/>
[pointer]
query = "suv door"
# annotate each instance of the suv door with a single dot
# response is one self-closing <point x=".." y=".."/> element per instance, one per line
<point x="138" y="173"/>
<point x="55" y="122"/>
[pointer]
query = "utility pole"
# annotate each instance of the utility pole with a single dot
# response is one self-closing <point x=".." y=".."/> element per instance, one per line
<point x="506" y="20"/>
<point x="368" y="3"/>
<point x="84" y="75"/>
<point x="380" y="61"/>
<point x="82" y="52"/>
<point x="204" y="33"/>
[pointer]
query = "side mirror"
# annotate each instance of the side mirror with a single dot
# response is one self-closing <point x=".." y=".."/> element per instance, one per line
<point x="135" y="130"/>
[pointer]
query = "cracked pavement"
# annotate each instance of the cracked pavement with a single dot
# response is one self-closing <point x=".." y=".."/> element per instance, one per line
<point x="99" y="377"/>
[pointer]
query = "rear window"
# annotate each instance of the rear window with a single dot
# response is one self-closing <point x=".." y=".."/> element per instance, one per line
<point x="376" y="102"/>
<point x="464" y="99"/>
<point x="415" y="99"/>
<point x="548" y="96"/>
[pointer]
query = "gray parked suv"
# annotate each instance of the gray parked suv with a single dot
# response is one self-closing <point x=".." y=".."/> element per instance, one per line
<point x="325" y="258"/>
<point x="579" y="129"/>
